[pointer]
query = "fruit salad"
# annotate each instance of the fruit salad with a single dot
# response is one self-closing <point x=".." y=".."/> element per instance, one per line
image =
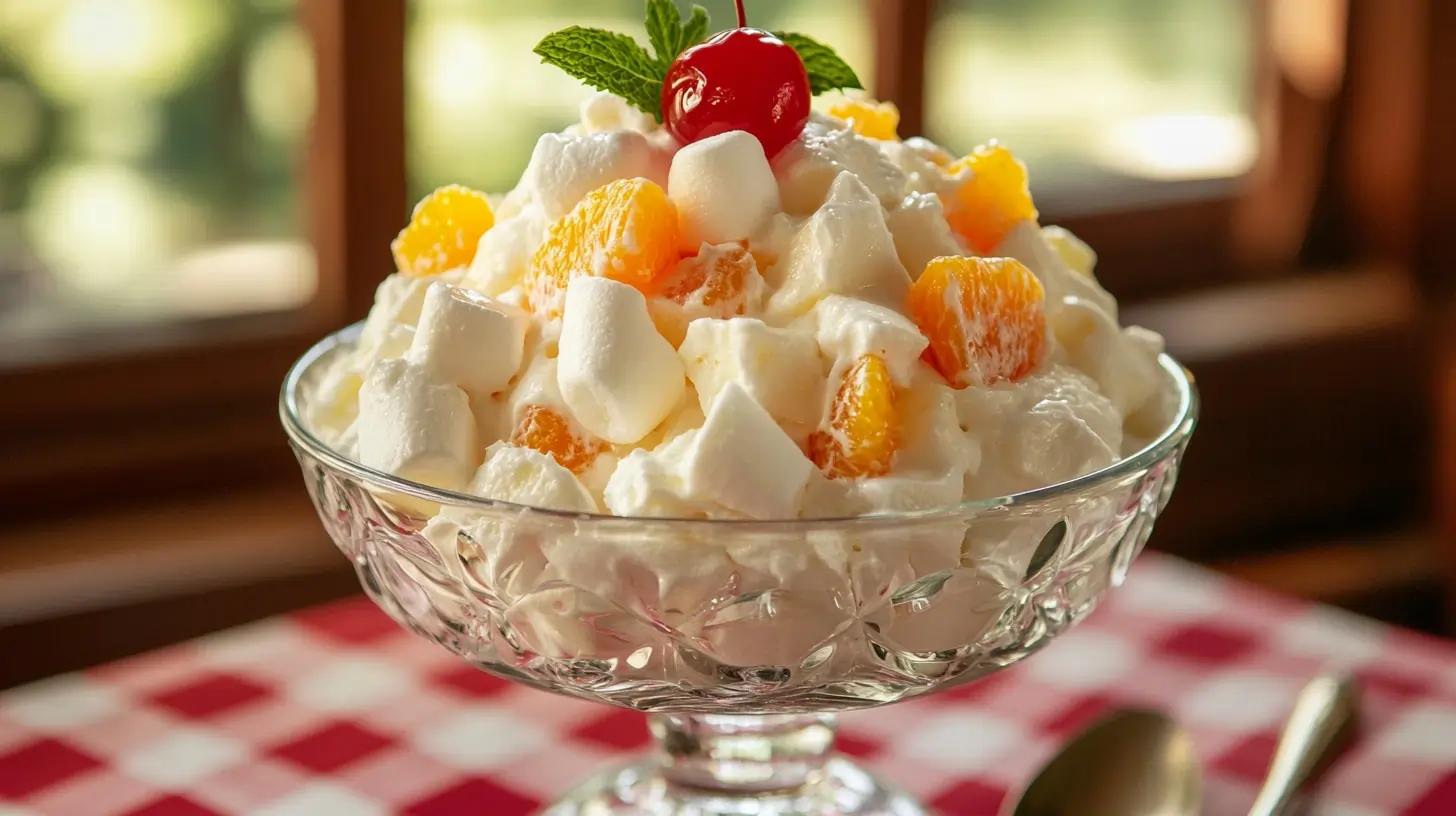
<point x="709" y="299"/>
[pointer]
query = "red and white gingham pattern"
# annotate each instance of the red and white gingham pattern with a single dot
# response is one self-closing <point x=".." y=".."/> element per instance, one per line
<point x="338" y="711"/>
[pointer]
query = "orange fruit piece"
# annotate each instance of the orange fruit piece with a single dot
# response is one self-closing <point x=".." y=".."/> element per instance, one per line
<point x="995" y="198"/>
<point x="716" y="276"/>
<point x="985" y="318"/>
<point x="625" y="230"/>
<point x="874" y="120"/>
<point x="443" y="232"/>
<point x="546" y="430"/>
<point x="861" y="437"/>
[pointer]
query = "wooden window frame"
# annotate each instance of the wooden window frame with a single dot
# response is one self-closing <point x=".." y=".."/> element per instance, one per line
<point x="1156" y="239"/>
<point x="168" y="417"/>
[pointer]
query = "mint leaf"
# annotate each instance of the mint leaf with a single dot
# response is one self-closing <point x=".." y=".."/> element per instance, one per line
<point x="694" y="31"/>
<point x="664" y="30"/>
<point x="607" y="61"/>
<point x="668" y="33"/>
<point x="827" y="72"/>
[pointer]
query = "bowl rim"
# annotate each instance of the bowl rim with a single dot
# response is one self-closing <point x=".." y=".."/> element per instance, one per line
<point x="1174" y="436"/>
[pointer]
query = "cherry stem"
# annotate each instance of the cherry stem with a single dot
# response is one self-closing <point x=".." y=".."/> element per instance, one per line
<point x="742" y="17"/>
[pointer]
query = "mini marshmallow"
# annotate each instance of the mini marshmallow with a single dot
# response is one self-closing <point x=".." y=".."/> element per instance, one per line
<point x="847" y="329"/>
<point x="921" y="232"/>
<point x="531" y="478"/>
<point x="809" y="166"/>
<point x="565" y="168"/>
<point x="334" y="403"/>
<point x="931" y="439"/>
<point x="468" y="340"/>
<point x="504" y="252"/>
<point x="741" y="459"/>
<point x="602" y="112"/>
<point x="651" y="483"/>
<point x="780" y="369"/>
<point x="1028" y="243"/>
<point x="398" y="301"/>
<point x="845" y="249"/>
<point x="1050" y="427"/>
<point x="537" y="386"/>
<point x="1073" y="250"/>
<point x="686" y="416"/>
<point x="617" y="374"/>
<point x="415" y="427"/>
<point x="924" y="164"/>
<point x="1124" y="366"/>
<point x="723" y="188"/>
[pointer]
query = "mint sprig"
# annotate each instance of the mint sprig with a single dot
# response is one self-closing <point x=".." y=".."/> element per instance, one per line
<point x="615" y="63"/>
<point x="607" y="61"/>
<point x="668" y="33"/>
<point x="827" y="72"/>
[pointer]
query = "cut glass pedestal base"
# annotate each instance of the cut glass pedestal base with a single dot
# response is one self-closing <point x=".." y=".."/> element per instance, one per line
<point x="841" y="789"/>
<point x="711" y="765"/>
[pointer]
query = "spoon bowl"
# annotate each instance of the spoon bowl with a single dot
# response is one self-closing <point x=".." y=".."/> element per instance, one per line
<point x="1131" y="763"/>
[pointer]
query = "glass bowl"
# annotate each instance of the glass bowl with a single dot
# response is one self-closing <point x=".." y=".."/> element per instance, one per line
<point x="739" y="639"/>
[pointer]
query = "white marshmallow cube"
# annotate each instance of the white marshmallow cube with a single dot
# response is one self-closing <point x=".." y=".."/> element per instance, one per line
<point x="469" y="340"/>
<point x="742" y="460"/>
<point x="531" y="478"/>
<point x="536" y="387"/>
<point x="604" y="112"/>
<point x="1125" y="365"/>
<point x="723" y="188"/>
<point x="924" y="164"/>
<point x="780" y="369"/>
<point x="415" y="427"/>
<point x="921" y="233"/>
<point x="650" y="483"/>
<point x="1028" y="243"/>
<point x="504" y="252"/>
<point x="619" y="377"/>
<point x="1075" y="252"/>
<point x="847" y="329"/>
<point x="564" y="168"/>
<point x="808" y="167"/>
<point x="397" y="302"/>
<point x="845" y="249"/>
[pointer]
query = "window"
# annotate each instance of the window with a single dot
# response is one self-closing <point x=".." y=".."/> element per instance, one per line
<point x="1082" y="89"/>
<point x="149" y="167"/>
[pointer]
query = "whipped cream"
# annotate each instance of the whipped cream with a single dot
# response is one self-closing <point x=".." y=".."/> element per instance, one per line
<point x="705" y="394"/>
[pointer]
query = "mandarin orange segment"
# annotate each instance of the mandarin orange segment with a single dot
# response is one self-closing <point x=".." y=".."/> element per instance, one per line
<point x="984" y="317"/>
<point x="625" y="230"/>
<point x="716" y="277"/>
<point x="861" y="437"/>
<point x="550" y="432"/>
<point x="874" y="120"/>
<point x="443" y="232"/>
<point x="995" y="197"/>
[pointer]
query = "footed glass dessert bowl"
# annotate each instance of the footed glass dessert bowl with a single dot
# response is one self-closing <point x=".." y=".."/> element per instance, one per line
<point x="740" y="639"/>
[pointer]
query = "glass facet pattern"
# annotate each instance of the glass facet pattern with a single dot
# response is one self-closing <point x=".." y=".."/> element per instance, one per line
<point x="695" y="620"/>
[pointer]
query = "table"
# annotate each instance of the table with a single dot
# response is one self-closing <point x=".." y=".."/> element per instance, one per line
<point x="335" y="710"/>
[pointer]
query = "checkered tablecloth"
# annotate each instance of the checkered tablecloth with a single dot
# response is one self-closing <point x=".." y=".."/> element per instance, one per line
<point x="337" y="711"/>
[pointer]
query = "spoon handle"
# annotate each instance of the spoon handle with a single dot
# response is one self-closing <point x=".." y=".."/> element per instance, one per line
<point x="1321" y="718"/>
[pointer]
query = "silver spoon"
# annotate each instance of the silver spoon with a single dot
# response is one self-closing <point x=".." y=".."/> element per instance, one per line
<point x="1140" y="763"/>
<point x="1131" y="763"/>
<point x="1322" y="720"/>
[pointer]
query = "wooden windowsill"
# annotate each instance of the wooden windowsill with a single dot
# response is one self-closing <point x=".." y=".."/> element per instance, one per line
<point x="67" y="567"/>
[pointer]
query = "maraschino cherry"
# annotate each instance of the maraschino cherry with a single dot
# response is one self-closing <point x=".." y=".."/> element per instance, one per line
<point x="741" y="79"/>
